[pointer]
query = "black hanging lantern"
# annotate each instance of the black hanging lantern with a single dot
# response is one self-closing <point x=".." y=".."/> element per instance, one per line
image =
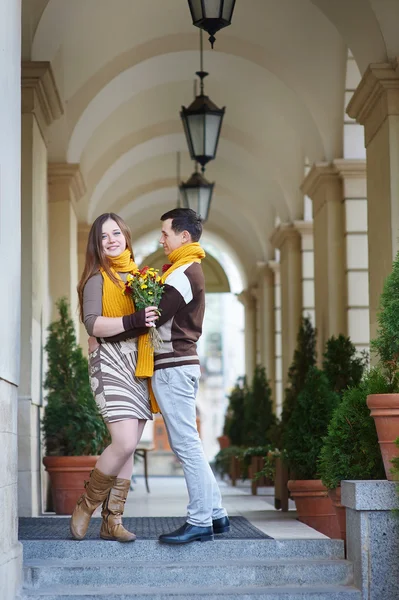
<point x="196" y="194"/>
<point x="211" y="15"/>
<point x="202" y="122"/>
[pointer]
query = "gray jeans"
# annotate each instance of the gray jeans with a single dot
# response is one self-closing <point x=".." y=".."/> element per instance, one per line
<point x="175" y="389"/>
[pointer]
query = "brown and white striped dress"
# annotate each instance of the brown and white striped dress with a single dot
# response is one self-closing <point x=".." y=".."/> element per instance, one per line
<point x="118" y="393"/>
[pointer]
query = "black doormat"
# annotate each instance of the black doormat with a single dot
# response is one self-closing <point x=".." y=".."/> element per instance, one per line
<point x="146" y="528"/>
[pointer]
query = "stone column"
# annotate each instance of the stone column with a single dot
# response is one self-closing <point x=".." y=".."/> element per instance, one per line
<point x="305" y="230"/>
<point x="324" y="186"/>
<point x="10" y="298"/>
<point x="278" y="370"/>
<point x="248" y="300"/>
<point x="375" y="104"/>
<point x="41" y="105"/>
<point x="66" y="188"/>
<point x="287" y="239"/>
<point x="266" y="322"/>
<point x="353" y="175"/>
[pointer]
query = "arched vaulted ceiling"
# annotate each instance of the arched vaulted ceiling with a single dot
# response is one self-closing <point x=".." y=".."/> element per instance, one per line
<point x="125" y="67"/>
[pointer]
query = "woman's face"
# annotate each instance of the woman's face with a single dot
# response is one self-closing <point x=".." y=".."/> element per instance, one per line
<point x="113" y="240"/>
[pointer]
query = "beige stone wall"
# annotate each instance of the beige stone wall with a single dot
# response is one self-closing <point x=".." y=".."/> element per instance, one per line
<point x="34" y="315"/>
<point x="10" y="263"/>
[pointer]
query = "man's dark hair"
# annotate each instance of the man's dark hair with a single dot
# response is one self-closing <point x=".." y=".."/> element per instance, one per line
<point x="185" y="219"/>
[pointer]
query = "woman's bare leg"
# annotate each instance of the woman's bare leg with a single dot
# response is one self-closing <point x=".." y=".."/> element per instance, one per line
<point x="127" y="469"/>
<point x="125" y="436"/>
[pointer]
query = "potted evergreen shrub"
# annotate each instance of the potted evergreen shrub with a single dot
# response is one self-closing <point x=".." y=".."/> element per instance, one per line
<point x="342" y="365"/>
<point x="384" y="403"/>
<point x="74" y="432"/>
<point x="232" y="429"/>
<point x="350" y="449"/>
<point x="303" y="441"/>
<point x="304" y="359"/>
<point x="259" y="418"/>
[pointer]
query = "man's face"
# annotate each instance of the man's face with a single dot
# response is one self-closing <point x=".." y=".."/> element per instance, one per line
<point x="171" y="240"/>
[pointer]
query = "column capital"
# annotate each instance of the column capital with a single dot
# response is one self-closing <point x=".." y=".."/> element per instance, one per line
<point x="247" y="298"/>
<point x="65" y="182"/>
<point x="353" y="173"/>
<point x="376" y="97"/>
<point x="285" y="232"/>
<point x="40" y="95"/>
<point x="275" y="266"/>
<point x="264" y="269"/>
<point x="304" y="227"/>
<point x="350" y="168"/>
<point x="323" y="184"/>
<point x="320" y="175"/>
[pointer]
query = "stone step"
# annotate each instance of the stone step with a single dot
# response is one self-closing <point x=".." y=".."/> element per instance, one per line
<point x="326" y="592"/>
<point x="46" y="573"/>
<point x="154" y="552"/>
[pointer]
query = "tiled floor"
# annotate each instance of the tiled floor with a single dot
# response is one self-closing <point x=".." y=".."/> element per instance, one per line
<point x="168" y="497"/>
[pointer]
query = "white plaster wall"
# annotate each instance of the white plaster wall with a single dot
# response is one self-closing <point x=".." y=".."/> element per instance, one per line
<point x="10" y="147"/>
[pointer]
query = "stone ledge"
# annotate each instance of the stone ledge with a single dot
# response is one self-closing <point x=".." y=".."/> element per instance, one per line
<point x="370" y="495"/>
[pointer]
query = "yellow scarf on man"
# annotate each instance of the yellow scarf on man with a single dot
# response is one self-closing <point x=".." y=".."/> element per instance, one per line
<point x="188" y="253"/>
<point x="117" y="304"/>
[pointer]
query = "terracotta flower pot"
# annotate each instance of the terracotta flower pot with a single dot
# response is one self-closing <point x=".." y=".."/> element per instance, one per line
<point x="67" y="476"/>
<point x="340" y="511"/>
<point x="224" y="441"/>
<point x="384" y="408"/>
<point x="314" y="507"/>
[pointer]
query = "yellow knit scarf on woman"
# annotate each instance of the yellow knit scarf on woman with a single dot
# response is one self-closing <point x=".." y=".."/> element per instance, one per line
<point x="185" y="254"/>
<point x="117" y="304"/>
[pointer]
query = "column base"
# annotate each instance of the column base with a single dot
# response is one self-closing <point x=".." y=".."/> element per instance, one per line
<point x="373" y="536"/>
<point x="11" y="572"/>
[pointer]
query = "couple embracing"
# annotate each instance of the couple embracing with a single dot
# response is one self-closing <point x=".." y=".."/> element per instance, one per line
<point x="120" y="367"/>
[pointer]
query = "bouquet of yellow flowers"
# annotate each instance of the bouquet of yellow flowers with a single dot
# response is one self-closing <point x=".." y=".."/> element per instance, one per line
<point x="145" y="288"/>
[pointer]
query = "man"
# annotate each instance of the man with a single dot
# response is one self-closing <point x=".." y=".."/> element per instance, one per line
<point x="177" y="372"/>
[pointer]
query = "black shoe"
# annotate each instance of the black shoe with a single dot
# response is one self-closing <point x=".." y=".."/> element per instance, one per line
<point x="187" y="533"/>
<point x="221" y="525"/>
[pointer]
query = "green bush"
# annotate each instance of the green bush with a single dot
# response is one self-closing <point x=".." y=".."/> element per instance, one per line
<point x="223" y="459"/>
<point x="386" y="344"/>
<point x="304" y="358"/>
<point x="350" y="449"/>
<point x="72" y="425"/>
<point x="235" y="415"/>
<point x="303" y="438"/>
<point x="259" y="415"/>
<point x="343" y="368"/>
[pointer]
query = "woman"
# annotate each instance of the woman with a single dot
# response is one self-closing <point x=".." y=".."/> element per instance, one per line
<point x="122" y="398"/>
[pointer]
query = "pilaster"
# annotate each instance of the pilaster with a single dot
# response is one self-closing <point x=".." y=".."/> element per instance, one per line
<point x="287" y="239"/>
<point x="375" y="104"/>
<point x="323" y="185"/>
<point x="248" y="300"/>
<point x="66" y="187"/>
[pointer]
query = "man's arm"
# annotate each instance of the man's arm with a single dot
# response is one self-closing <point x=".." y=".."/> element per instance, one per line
<point x="170" y="303"/>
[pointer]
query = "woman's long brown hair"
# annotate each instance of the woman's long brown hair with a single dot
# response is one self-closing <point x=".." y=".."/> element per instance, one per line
<point x="95" y="255"/>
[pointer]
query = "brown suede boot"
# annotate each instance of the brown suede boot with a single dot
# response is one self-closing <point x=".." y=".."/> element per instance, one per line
<point x="97" y="489"/>
<point x="113" y="507"/>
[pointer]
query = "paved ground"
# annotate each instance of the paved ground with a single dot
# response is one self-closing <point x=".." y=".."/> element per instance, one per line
<point x="168" y="497"/>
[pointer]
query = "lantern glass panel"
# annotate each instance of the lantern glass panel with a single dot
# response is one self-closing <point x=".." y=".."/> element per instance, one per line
<point x="196" y="131"/>
<point x="228" y="6"/>
<point x="212" y="9"/>
<point x="203" y="202"/>
<point x="212" y="124"/>
<point x="196" y="9"/>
